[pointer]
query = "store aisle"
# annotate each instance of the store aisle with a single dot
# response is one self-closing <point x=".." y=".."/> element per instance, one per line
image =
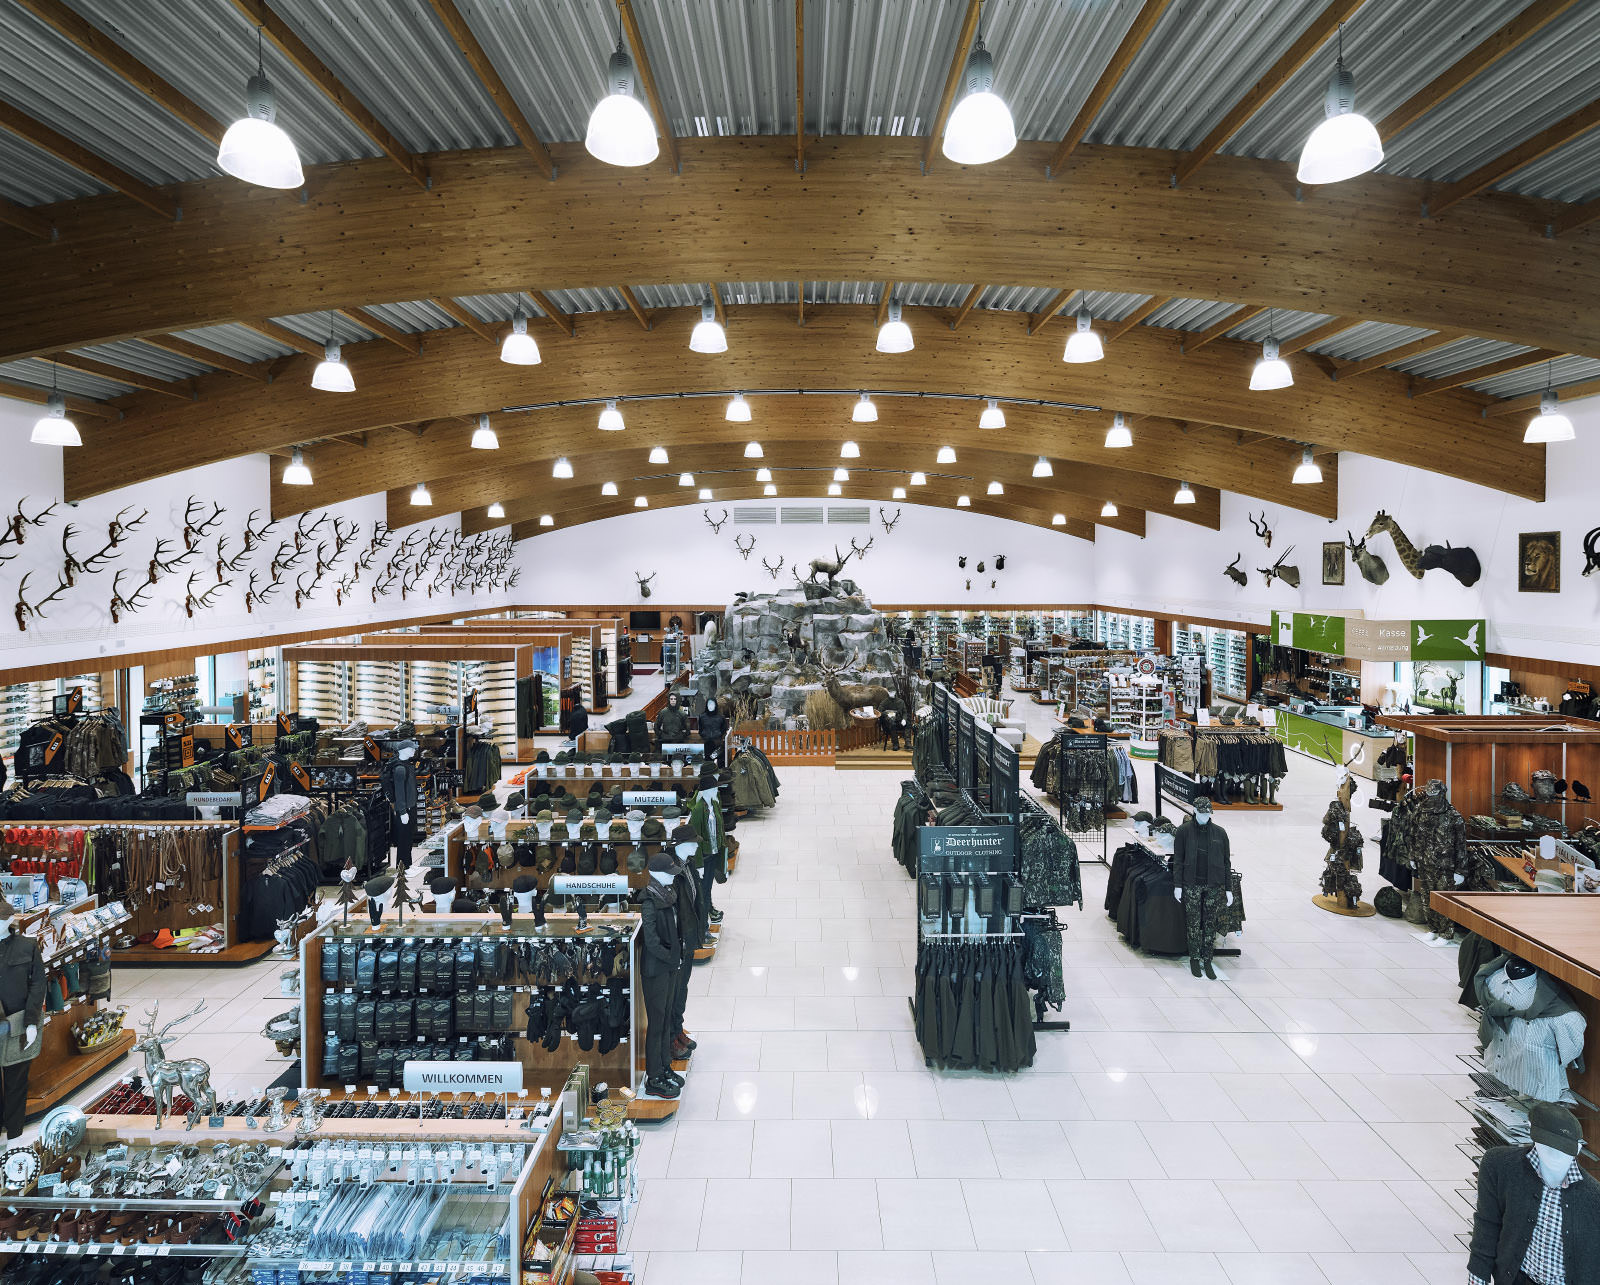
<point x="1296" y="1121"/>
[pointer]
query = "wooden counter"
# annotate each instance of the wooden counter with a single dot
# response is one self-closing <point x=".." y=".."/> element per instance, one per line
<point x="1559" y="933"/>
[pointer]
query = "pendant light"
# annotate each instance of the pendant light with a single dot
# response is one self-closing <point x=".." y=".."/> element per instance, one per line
<point x="963" y="501"/>
<point x="53" y="428"/>
<point x="835" y="489"/>
<point x="1083" y="345"/>
<point x="421" y="496"/>
<point x="864" y="411"/>
<point x="1549" y="425"/>
<point x="705" y="492"/>
<point x="1271" y="371"/>
<point x="1307" y="473"/>
<point x="497" y="510"/>
<point x="980" y="128"/>
<point x="685" y="479"/>
<point x="295" y="472"/>
<point x="919" y="479"/>
<point x="738" y="411"/>
<point x="1042" y="468"/>
<point x="993" y="416"/>
<point x="708" y="335"/>
<point x="658" y="455"/>
<point x="899" y="493"/>
<point x="1345" y="144"/>
<point x="894" y="335"/>
<point x="519" y="348"/>
<point x="849" y="451"/>
<point x="611" y="419"/>
<point x="946" y="455"/>
<point x="841" y="474"/>
<point x="641" y="502"/>
<point x="485" y="438"/>
<point x="331" y="374"/>
<point x="1108" y="509"/>
<point x="608" y="488"/>
<point x="995" y="488"/>
<point x="620" y="129"/>
<point x="255" y="148"/>
<point x="1184" y="495"/>
<point x="763" y="474"/>
<point x="1119" y="435"/>
<point x="769" y="489"/>
<point x="1058" y="519"/>
<point x="562" y="469"/>
<point x="753" y="451"/>
<point x="546" y="520"/>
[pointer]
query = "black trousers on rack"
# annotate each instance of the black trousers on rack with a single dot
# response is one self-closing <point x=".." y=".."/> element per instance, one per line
<point x="658" y="993"/>
<point x="680" y="1001"/>
<point x="14" y="1096"/>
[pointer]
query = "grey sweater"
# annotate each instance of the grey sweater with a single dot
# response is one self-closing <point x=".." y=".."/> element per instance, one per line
<point x="1508" y="1207"/>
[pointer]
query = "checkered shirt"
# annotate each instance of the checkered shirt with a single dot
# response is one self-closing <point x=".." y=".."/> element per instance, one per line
<point x="1546" y="1260"/>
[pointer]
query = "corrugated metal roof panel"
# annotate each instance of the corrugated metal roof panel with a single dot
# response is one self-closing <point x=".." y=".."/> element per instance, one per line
<point x="1368" y="340"/>
<point x="1464" y="354"/>
<point x="722" y="69"/>
<point x="587" y="299"/>
<point x="747" y="293"/>
<point x="236" y="341"/>
<point x="132" y="355"/>
<point x="415" y="315"/>
<point x="845" y="292"/>
<point x="319" y="327"/>
<point x="1563" y="370"/>
<point x="689" y="295"/>
<point x="877" y="66"/>
<point x="1190" y="314"/>
<point x="928" y="294"/>
<point x="40" y="373"/>
<point x="1570" y="173"/>
<point x="1016" y="298"/>
<point x="209" y="51"/>
<point x="31" y="177"/>
<point x="1280" y="323"/>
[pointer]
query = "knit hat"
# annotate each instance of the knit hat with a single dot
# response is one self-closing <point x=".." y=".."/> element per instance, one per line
<point x="661" y="863"/>
<point x="1549" y="1125"/>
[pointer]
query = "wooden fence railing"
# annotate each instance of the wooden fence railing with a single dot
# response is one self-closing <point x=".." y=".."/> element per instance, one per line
<point x="811" y="748"/>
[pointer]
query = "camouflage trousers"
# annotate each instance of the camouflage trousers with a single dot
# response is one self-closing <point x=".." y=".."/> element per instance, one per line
<point x="1429" y="878"/>
<point x="1202" y="912"/>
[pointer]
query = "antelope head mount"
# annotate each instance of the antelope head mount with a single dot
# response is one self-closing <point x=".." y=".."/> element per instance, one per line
<point x="1260" y="527"/>
<point x="1236" y="573"/>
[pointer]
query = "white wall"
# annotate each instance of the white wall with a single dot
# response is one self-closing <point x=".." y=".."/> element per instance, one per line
<point x="1178" y="567"/>
<point x="594" y="563"/>
<point x="78" y="624"/>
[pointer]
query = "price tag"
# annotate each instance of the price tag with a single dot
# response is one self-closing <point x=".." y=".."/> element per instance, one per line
<point x="144" y="1251"/>
<point x="51" y="1246"/>
<point x="164" y="1251"/>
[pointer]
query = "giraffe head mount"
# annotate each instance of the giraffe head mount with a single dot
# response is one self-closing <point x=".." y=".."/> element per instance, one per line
<point x="1409" y="557"/>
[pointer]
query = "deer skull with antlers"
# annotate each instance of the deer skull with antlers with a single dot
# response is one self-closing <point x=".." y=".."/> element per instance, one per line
<point x="745" y="550"/>
<point x="253" y="534"/>
<point x="163" y="563"/>
<point x="194" y="526"/>
<point x="25" y="610"/>
<point x="773" y="571"/>
<point x="131" y="604"/>
<point x="889" y="523"/>
<point x="716" y="527"/>
<point x="17" y="525"/>
<point x="193" y="602"/>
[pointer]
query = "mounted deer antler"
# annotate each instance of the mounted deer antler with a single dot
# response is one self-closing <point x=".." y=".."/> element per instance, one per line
<point x="24" y="609"/>
<point x="161" y="564"/>
<point x="382" y="585"/>
<point x="861" y="552"/>
<point x="253" y="534"/>
<point x="193" y="527"/>
<point x="342" y="588"/>
<point x="224" y="562"/>
<point x="302" y="592"/>
<point x="302" y="532"/>
<point x="716" y="527"/>
<point x="773" y="571"/>
<point x="1261" y="528"/>
<point x="16" y="531"/>
<point x="193" y="601"/>
<point x="381" y="535"/>
<point x="117" y="528"/>
<point x="70" y="565"/>
<point x="744" y="549"/>
<point x="889" y="523"/>
<point x="343" y="538"/>
<point x="253" y="595"/>
<point x="286" y="558"/>
<point x="119" y="604"/>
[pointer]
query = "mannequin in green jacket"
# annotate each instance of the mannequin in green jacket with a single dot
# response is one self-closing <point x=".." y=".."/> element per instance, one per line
<point x="705" y="815"/>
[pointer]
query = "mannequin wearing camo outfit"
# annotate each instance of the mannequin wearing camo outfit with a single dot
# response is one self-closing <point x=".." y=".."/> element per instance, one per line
<point x="1202" y="879"/>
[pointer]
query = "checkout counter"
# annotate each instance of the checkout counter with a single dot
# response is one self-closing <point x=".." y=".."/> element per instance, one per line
<point x="1331" y="733"/>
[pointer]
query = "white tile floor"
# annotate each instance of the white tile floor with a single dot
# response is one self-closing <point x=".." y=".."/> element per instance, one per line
<point x="1295" y="1122"/>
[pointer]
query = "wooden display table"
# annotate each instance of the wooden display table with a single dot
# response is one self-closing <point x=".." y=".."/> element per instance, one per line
<point x="1559" y="933"/>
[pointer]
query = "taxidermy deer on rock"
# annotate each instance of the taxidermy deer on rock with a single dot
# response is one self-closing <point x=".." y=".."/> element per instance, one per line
<point x="852" y="695"/>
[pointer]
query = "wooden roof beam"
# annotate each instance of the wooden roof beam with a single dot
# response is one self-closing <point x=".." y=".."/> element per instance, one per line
<point x="1478" y="59"/>
<point x="81" y="158"/>
<point x="1575" y="217"/>
<point x="289" y="44"/>
<point x="39" y="396"/>
<point x="647" y="82"/>
<point x="716" y="302"/>
<point x="967" y="306"/>
<point x="288" y="338"/>
<point x="1116" y="329"/>
<point x="884" y="295"/>
<point x="552" y="313"/>
<point x="1530" y="401"/>
<point x="800" y="86"/>
<point x="450" y="17"/>
<point x="1477" y="374"/>
<point x="1316" y="335"/>
<point x="634" y="306"/>
<point x="1144" y="23"/>
<point x="180" y="347"/>
<point x="182" y="389"/>
<point x="952" y="82"/>
<point x="1524" y="153"/>
<point x="1416" y="348"/>
<point x="800" y="301"/>
<point x="462" y="317"/>
<point x="26" y="220"/>
<point x="399" y="338"/>
<point x="1321" y="30"/>
<point x="1037" y="321"/>
<point x="1191" y="342"/>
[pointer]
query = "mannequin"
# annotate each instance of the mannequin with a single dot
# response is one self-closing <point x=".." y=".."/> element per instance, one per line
<point x="22" y="979"/>
<point x="441" y="890"/>
<point x="378" y="891"/>
<point x="662" y="948"/>
<point x="705" y="816"/>
<point x="1202" y="878"/>
<point x="1538" y="1212"/>
<point x="686" y="887"/>
<point x="1528" y="1028"/>
<point x="1439" y="856"/>
<point x="672" y="724"/>
<point x="399" y="781"/>
<point x="524" y="888"/>
<point x="713" y="731"/>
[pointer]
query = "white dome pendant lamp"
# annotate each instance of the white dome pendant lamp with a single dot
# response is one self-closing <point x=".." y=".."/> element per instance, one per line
<point x="620" y="129"/>
<point x="53" y="428"/>
<point x="331" y="374"/>
<point x="255" y="149"/>
<point x="1550" y="424"/>
<point x="894" y="335"/>
<point x="519" y="348"/>
<point x="980" y="128"/>
<point x="708" y="335"/>
<point x="1345" y="144"/>
<point x="1083" y="345"/>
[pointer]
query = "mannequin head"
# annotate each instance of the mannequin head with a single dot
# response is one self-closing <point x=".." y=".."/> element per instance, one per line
<point x="1557" y="1138"/>
<point x="661" y="869"/>
<point x="1202" y="811"/>
<point x="1517" y="969"/>
<point x="8" y="918"/>
<point x="711" y="705"/>
<point x="378" y="891"/>
<point x="442" y="890"/>
<point x="524" y="888"/>
<point x="407" y="751"/>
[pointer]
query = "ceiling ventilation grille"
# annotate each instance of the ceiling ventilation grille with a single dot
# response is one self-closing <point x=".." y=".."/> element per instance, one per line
<point x="760" y="515"/>
<point x="850" y="514"/>
<point x="809" y="515"/>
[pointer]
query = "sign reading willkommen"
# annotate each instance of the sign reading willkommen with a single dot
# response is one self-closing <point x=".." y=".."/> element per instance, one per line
<point x="463" y="1077"/>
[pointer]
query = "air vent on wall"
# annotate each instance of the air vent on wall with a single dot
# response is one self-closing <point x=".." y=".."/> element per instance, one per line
<point x="761" y="515"/>
<point x="850" y="514"/>
<point x="797" y="516"/>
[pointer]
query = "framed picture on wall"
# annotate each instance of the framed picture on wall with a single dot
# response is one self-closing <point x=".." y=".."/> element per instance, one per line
<point x="1333" y="562"/>
<point x="1539" y="562"/>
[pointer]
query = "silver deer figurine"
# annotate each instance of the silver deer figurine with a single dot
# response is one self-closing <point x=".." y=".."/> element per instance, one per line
<point x="163" y="1074"/>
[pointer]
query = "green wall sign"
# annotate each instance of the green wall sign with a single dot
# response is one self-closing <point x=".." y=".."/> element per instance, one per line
<point x="1391" y="640"/>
